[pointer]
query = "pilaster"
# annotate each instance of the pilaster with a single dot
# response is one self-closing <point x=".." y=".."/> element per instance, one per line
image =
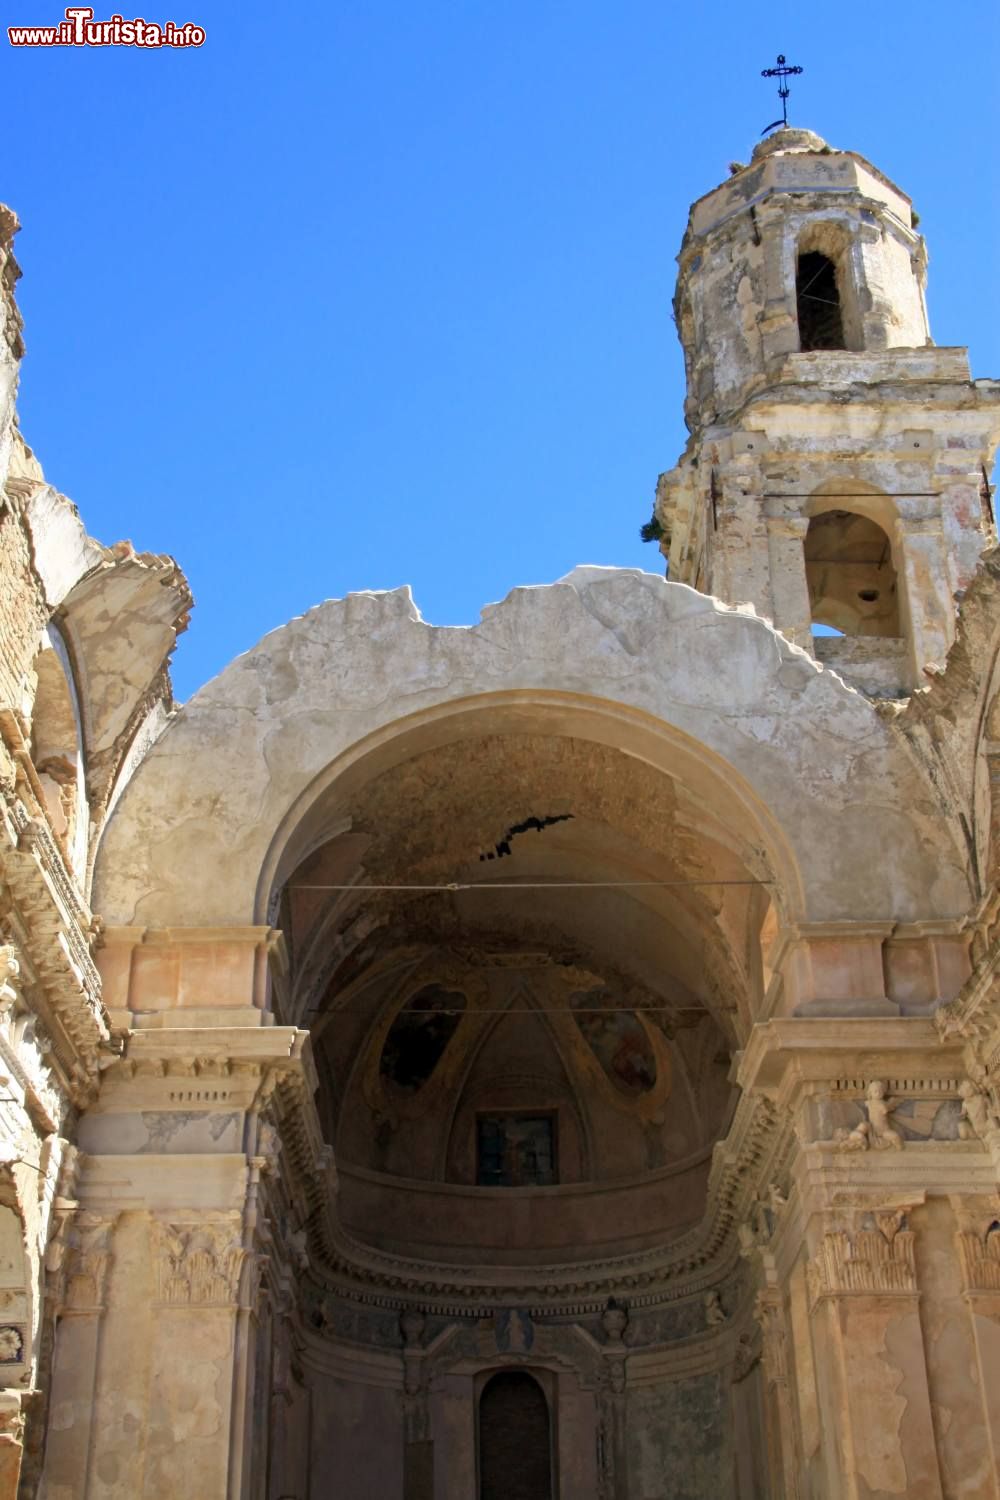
<point x="886" y="1218"/>
<point x="782" y="1445"/>
<point x="977" y="1238"/>
<point x="154" y="1386"/>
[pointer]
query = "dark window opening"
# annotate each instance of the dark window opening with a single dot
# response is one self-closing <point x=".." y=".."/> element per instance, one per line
<point x="419" y="1035"/>
<point x="516" y="1151"/>
<point x="821" y="322"/>
<point x="515" y="1440"/>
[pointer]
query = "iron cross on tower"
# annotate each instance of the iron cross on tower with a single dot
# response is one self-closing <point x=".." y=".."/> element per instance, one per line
<point x="781" y="73"/>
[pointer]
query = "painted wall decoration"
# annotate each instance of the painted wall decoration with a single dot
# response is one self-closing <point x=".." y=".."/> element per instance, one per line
<point x="618" y="1040"/>
<point x="419" y="1035"/>
<point x="516" y="1150"/>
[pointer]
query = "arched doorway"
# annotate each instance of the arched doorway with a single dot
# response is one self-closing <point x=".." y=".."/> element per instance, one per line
<point x="515" y="1439"/>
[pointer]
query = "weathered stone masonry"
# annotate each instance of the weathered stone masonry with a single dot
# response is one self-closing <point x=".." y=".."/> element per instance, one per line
<point x="603" y="997"/>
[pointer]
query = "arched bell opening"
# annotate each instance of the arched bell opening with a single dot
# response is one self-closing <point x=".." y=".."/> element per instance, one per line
<point x="826" y="302"/>
<point x="857" y="586"/>
<point x="817" y="303"/>
<point x="851" y="575"/>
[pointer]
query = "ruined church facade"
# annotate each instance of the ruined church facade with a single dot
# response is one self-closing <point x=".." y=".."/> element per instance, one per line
<point x="557" y="1059"/>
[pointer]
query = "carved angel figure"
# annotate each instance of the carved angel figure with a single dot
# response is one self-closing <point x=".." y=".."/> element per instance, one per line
<point x="879" y="1109"/>
<point x="714" y="1311"/>
<point x="978" y="1118"/>
<point x="747" y="1238"/>
<point x="10" y="971"/>
<point x="853" y="1140"/>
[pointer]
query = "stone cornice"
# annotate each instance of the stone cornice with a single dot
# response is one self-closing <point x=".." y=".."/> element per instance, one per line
<point x="690" y="1264"/>
<point x="786" y="1051"/>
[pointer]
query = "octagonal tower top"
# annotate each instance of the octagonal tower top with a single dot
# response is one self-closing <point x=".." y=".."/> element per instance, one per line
<point x="806" y="248"/>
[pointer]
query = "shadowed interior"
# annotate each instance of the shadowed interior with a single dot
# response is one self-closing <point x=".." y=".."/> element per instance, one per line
<point x="537" y="1067"/>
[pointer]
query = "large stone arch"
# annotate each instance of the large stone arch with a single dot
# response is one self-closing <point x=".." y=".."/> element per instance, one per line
<point x="855" y="830"/>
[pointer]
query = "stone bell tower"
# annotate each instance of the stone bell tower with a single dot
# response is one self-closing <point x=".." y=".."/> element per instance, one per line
<point x="836" y="473"/>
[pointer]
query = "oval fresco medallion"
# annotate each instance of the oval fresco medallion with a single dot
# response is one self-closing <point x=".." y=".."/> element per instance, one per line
<point x="618" y="1040"/>
<point x="419" y="1035"/>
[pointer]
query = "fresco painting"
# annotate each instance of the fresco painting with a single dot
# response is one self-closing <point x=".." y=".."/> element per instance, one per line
<point x="617" y="1039"/>
<point x="516" y="1151"/>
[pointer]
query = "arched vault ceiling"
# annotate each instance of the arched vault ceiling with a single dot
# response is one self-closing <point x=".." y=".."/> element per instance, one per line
<point x="623" y="880"/>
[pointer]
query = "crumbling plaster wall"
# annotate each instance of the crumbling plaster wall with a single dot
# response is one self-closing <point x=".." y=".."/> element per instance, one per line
<point x="811" y="757"/>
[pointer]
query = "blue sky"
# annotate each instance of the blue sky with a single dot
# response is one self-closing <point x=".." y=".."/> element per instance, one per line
<point x="380" y="293"/>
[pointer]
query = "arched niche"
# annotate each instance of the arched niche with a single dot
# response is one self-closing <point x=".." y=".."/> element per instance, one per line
<point x="515" y="1447"/>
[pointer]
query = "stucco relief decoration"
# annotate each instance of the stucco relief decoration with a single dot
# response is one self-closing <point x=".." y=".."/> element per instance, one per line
<point x="199" y="1264"/>
<point x="873" y="1253"/>
<point x="514" y="1330"/>
<point x="876" y="1132"/>
<point x="24" y="1043"/>
<point x="769" y="1313"/>
<point x="757" y="1229"/>
<point x="979" y="1251"/>
<point x="614" y="1321"/>
<point x="412" y="1324"/>
<point x="980" y="1118"/>
<point x="746" y="1357"/>
<point x="10" y="980"/>
<point x="88" y="1260"/>
<point x="715" y="1313"/>
<point x="11" y="1345"/>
